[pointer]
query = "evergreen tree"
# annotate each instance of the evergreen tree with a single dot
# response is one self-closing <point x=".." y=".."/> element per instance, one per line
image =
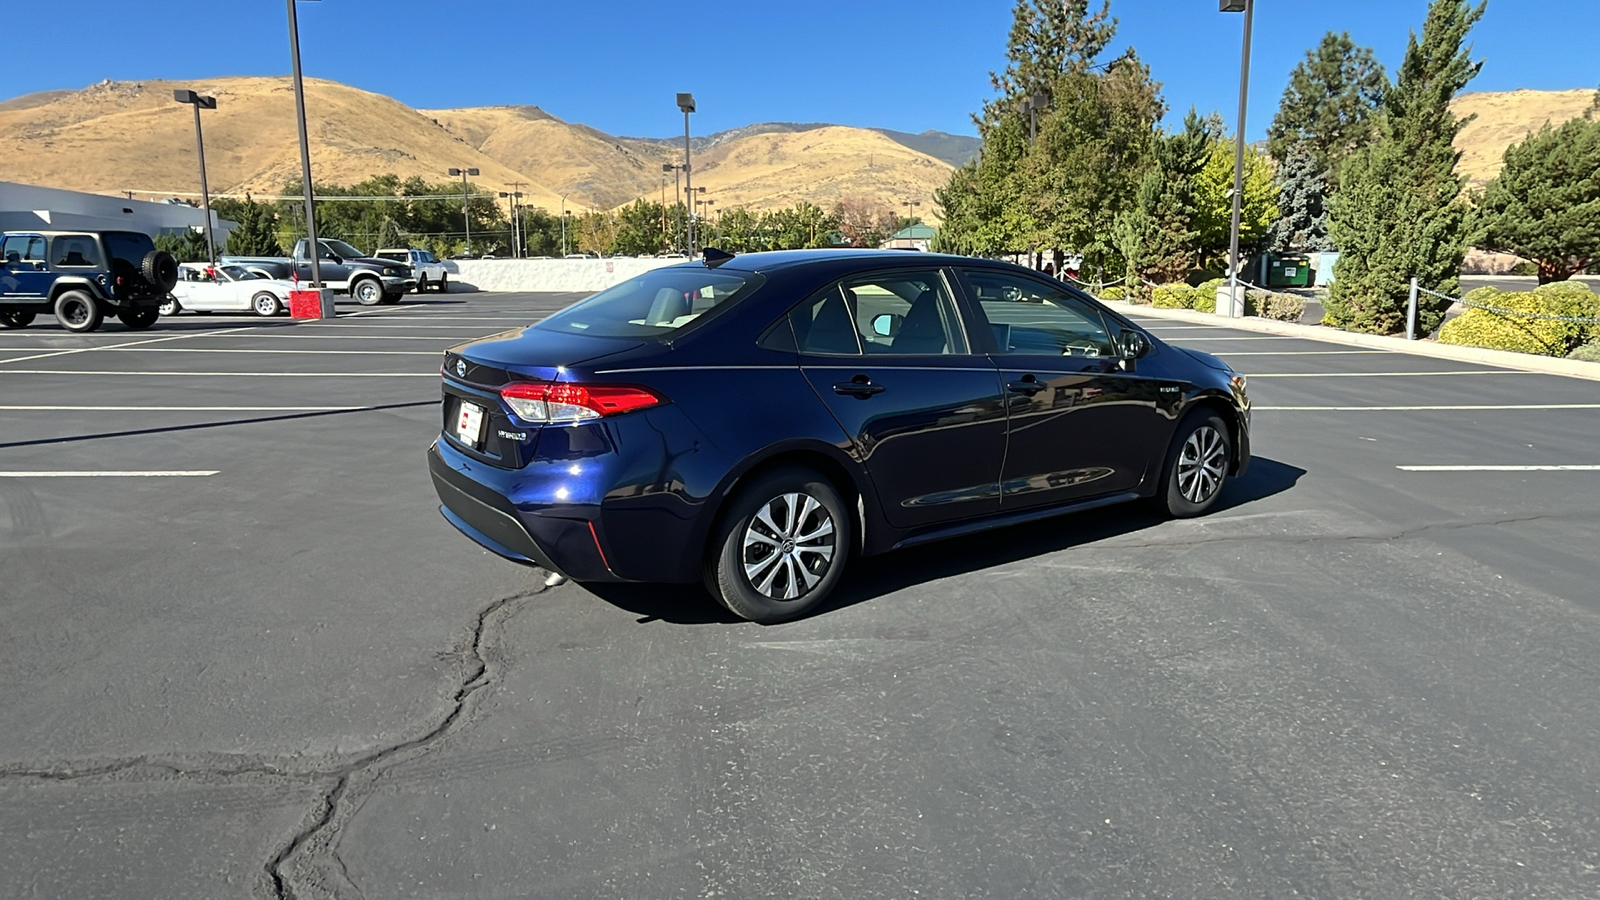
<point x="1330" y="104"/>
<point x="1399" y="212"/>
<point x="257" y="234"/>
<point x="1545" y="203"/>
<point x="1159" y="236"/>
<point x="187" y="245"/>
<point x="1302" y="225"/>
<point x="1048" y="39"/>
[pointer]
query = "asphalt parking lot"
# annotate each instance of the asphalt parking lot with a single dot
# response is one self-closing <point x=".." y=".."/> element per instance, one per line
<point x="244" y="656"/>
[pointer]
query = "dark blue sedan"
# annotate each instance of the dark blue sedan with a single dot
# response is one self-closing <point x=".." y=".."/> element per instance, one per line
<point x="755" y="421"/>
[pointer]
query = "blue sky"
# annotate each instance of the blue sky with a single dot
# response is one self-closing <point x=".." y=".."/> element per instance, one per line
<point x="616" y="64"/>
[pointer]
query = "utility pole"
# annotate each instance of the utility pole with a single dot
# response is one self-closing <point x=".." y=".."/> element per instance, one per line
<point x="313" y="246"/>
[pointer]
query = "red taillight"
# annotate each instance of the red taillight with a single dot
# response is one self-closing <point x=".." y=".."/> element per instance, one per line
<point x="574" y="402"/>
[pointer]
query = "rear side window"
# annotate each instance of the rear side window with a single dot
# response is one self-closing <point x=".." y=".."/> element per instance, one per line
<point x="75" y="251"/>
<point x="658" y="304"/>
<point x="391" y="254"/>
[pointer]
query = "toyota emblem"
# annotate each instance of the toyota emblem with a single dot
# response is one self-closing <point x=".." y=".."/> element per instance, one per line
<point x="461" y="368"/>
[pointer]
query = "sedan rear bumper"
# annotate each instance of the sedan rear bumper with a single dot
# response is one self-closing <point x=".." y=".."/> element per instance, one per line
<point x="569" y="547"/>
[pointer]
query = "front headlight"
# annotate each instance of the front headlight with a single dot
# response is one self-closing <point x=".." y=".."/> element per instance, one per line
<point x="1238" y="383"/>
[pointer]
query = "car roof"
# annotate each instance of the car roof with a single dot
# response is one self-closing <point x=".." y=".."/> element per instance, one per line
<point x="78" y="233"/>
<point x="777" y="260"/>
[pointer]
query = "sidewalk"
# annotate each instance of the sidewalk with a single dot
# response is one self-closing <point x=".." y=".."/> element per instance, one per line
<point x="1526" y="362"/>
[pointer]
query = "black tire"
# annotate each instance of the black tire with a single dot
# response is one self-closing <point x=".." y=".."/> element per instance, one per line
<point x="159" y="268"/>
<point x="139" y="318"/>
<point x="746" y="543"/>
<point x="392" y="299"/>
<point x="444" y="284"/>
<point x="266" y="304"/>
<point x="422" y="284"/>
<point x="16" y="319"/>
<point x="367" y="291"/>
<point x="170" y="307"/>
<point x="77" y="312"/>
<point x="1196" y="466"/>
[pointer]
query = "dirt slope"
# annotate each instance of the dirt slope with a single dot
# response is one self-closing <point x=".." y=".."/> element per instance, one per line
<point x="1507" y="118"/>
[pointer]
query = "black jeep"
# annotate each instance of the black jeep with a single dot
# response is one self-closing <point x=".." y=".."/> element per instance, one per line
<point x="83" y="276"/>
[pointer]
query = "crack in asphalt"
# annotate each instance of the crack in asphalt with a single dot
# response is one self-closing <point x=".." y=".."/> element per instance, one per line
<point x="300" y="868"/>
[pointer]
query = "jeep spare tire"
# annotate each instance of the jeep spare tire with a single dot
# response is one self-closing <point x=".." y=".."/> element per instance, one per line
<point x="160" y="268"/>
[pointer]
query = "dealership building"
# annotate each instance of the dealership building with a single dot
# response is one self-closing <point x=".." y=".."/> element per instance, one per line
<point x="25" y="207"/>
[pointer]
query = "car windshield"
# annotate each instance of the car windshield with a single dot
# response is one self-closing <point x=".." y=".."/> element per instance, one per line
<point x="240" y="273"/>
<point x="657" y="304"/>
<point x="341" y="249"/>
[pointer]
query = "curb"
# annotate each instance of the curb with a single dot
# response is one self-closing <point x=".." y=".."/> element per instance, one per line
<point x="1526" y="362"/>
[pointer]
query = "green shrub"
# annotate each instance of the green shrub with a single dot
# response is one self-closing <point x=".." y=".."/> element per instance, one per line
<point x="1524" y="268"/>
<point x="1589" y="352"/>
<point x="1484" y="294"/>
<point x="1270" y="305"/>
<point x="1114" y="294"/>
<point x="1496" y="331"/>
<point x="1138" y="294"/>
<point x="1205" y="295"/>
<point x="1172" y="296"/>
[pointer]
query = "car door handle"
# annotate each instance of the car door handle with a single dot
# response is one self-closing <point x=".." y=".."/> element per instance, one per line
<point x="859" y="386"/>
<point x="1028" y="385"/>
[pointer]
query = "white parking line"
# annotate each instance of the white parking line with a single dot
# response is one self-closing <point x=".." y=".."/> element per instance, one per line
<point x="183" y="408"/>
<point x="175" y="337"/>
<point x="257" y="350"/>
<point x="108" y="374"/>
<point x="1458" y="408"/>
<point x="110" y="474"/>
<point x="1299" y="352"/>
<point x="1253" y="376"/>
<point x="391" y="327"/>
<point x="1584" y="468"/>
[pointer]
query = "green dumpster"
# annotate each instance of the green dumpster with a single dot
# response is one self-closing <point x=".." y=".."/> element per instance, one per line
<point x="1288" y="271"/>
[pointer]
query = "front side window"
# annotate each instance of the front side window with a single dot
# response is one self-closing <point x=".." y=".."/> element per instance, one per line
<point x="340" y="249"/>
<point x="22" y="248"/>
<point x="75" y="251"/>
<point x="1029" y="317"/>
<point x="656" y="304"/>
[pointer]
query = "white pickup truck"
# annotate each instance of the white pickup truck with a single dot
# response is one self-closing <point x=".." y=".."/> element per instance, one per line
<point x="428" y="271"/>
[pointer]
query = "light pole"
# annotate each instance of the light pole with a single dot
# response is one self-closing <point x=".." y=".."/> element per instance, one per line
<point x="512" y="197"/>
<point x="466" y="211"/>
<point x="1033" y="104"/>
<point x="686" y="103"/>
<point x="677" y="197"/>
<point x="1248" y="7"/>
<point x="313" y="246"/>
<point x="563" y="225"/>
<point x="199" y="103"/>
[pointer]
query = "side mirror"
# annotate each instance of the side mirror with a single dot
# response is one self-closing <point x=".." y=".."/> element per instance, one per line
<point x="330" y="256"/>
<point x="886" y="324"/>
<point x="1134" y="344"/>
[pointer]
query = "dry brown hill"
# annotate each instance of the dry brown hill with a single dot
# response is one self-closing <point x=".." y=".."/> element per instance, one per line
<point x="1506" y="118"/>
<point x="595" y="169"/>
<point x="118" y="136"/>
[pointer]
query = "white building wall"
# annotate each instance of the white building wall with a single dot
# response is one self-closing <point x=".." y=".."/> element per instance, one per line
<point x="548" y="274"/>
<point x="24" y="207"/>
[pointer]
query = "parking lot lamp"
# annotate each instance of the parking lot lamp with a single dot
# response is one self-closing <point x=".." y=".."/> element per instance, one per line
<point x="1033" y="104"/>
<point x="686" y="103"/>
<point x="313" y="248"/>
<point x="563" y="225"/>
<point x="513" y="197"/>
<point x="1248" y="7"/>
<point x="466" y="211"/>
<point x="199" y="103"/>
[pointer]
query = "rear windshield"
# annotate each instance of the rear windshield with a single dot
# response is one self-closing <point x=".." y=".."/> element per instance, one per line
<point x="657" y="304"/>
<point x="130" y="247"/>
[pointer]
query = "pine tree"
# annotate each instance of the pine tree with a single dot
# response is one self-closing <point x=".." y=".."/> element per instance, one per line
<point x="1330" y="104"/>
<point x="1545" y="203"/>
<point x="1159" y="236"/>
<point x="1048" y="39"/>
<point x="257" y="234"/>
<point x="1399" y="212"/>
<point x="1302" y="224"/>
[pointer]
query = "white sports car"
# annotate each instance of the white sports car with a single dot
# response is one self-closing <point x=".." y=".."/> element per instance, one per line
<point x="226" y="289"/>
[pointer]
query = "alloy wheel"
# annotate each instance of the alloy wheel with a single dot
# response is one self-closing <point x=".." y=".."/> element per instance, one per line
<point x="1202" y="464"/>
<point x="788" y="546"/>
